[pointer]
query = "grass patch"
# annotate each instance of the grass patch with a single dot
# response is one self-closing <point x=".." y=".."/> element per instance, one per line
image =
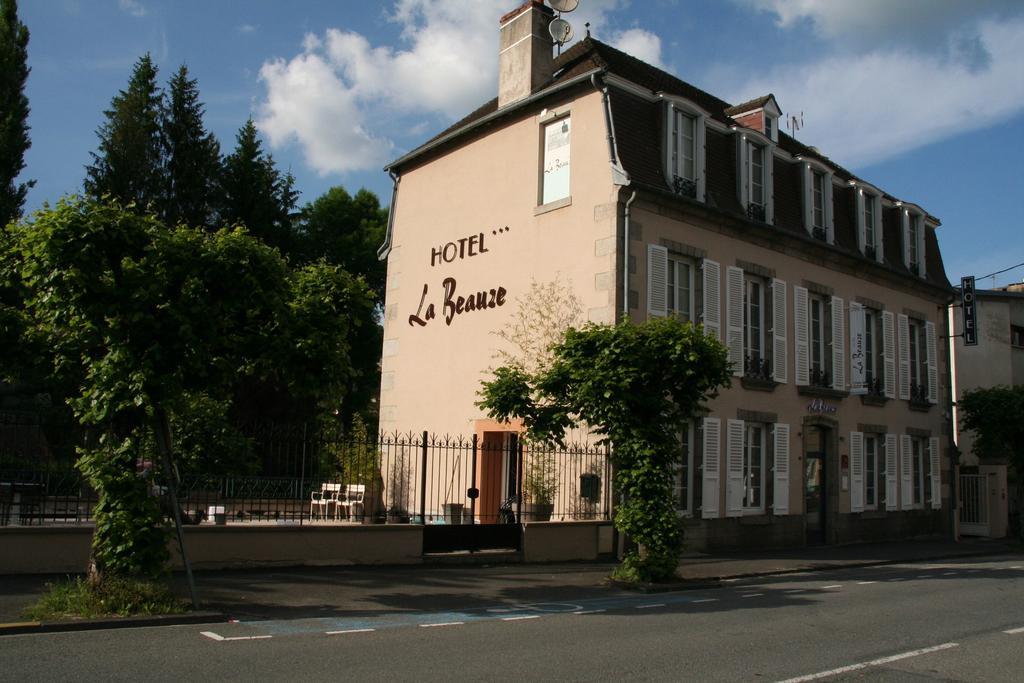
<point x="118" y="597"/>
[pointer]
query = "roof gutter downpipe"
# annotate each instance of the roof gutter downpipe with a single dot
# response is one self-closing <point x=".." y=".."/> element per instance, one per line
<point x="385" y="249"/>
<point x="620" y="178"/>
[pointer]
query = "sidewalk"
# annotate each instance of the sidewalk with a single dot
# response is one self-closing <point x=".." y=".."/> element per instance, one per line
<point x="283" y="593"/>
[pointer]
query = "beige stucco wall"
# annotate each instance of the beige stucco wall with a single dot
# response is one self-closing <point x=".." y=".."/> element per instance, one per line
<point x="565" y="541"/>
<point x="430" y="374"/>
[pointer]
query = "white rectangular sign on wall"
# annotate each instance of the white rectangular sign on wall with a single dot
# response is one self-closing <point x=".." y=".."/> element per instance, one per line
<point x="858" y="356"/>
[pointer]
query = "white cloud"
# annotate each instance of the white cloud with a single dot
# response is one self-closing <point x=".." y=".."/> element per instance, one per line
<point x="246" y="28"/>
<point x="642" y="44"/>
<point x="132" y="7"/>
<point x="864" y="108"/>
<point x="911" y="21"/>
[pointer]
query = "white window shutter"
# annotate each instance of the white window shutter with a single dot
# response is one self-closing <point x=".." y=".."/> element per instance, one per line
<point x="889" y="353"/>
<point x="906" y="473"/>
<point x="712" y="444"/>
<point x="904" y="352"/>
<point x="858" y="210"/>
<point x="934" y="467"/>
<point x="838" y="344"/>
<point x="891" y="503"/>
<point x="734" y="486"/>
<point x="801" y="326"/>
<point x="780" y="352"/>
<point x="879" y="236"/>
<point x="905" y="231"/>
<point x="856" y="471"/>
<point x="712" y="317"/>
<point x="734" y="318"/>
<point x="780" y="489"/>
<point x="657" y="280"/>
<point x="827" y="191"/>
<point x="808" y="192"/>
<point x="933" y="372"/>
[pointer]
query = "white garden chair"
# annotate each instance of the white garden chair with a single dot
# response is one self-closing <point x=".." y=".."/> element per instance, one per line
<point x="322" y="500"/>
<point x="351" y="498"/>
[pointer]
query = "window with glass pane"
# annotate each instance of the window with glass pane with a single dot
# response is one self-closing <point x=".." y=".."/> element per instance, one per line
<point x="817" y="335"/>
<point x="683" y="146"/>
<point x="917" y="372"/>
<point x="753" y="320"/>
<point x="753" y="466"/>
<point x="917" y="469"/>
<point x="873" y="353"/>
<point x="756" y="175"/>
<point x="683" y="480"/>
<point x="818" y="187"/>
<point x="869" y="221"/>
<point x="680" y="288"/>
<point x="914" y="226"/>
<point x="870" y="471"/>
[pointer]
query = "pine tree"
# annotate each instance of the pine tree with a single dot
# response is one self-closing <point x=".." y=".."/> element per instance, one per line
<point x="192" y="156"/>
<point x="128" y="164"/>
<point x="14" y="140"/>
<point x="256" y="194"/>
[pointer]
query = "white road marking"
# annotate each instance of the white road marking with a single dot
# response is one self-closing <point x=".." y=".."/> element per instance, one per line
<point x="874" y="662"/>
<point x="590" y="611"/>
<point x="1016" y="566"/>
<point x="796" y="590"/>
<point x="351" y="630"/>
<point x="705" y="600"/>
<point x="950" y="573"/>
<point x="1013" y="631"/>
<point x="656" y="604"/>
<point x="752" y="595"/>
<point x="865" y="583"/>
<point x="835" y="585"/>
<point x="444" y="623"/>
<point x="211" y="635"/>
<point x="525" y="616"/>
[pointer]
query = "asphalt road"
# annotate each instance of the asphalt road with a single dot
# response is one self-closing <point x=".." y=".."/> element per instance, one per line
<point x="949" y="620"/>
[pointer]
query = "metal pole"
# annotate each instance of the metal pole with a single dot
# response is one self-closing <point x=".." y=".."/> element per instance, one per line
<point x="519" y="478"/>
<point x="163" y="436"/>
<point x="423" y="481"/>
<point x="472" y="483"/>
<point x="302" y="477"/>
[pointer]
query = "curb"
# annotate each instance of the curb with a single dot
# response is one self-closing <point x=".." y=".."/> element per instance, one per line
<point x="21" y="628"/>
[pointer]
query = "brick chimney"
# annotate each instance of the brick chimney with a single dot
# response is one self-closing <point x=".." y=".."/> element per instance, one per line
<point x="525" y="61"/>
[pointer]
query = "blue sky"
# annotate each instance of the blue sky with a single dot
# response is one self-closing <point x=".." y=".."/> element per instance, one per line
<point x="923" y="98"/>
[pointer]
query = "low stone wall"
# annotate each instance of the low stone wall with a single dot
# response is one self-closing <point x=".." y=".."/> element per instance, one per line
<point x="58" y="550"/>
<point x="65" y="550"/>
<point x="566" y="541"/>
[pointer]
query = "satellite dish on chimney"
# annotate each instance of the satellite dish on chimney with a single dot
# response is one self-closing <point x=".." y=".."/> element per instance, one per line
<point x="564" y="5"/>
<point x="561" y="31"/>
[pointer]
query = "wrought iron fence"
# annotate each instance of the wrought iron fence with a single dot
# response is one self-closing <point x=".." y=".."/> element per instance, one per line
<point x="330" y="477"/>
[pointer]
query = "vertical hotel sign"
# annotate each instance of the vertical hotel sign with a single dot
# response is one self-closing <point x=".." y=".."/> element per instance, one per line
<point x="858" y="357"/>
<point x="970" y="310"/>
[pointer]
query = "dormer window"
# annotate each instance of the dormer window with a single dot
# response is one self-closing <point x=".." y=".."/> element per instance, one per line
<point x="755" y="154"/>
<point x="818" y="200"/>
<point x="760" y="114"/>
<point x="913" y="241"/>
<point x="869" y="222"/>
<point x="684" y="149"/>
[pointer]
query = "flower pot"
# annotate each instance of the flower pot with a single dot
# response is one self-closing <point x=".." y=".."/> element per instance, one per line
<point x="537" y="512"/>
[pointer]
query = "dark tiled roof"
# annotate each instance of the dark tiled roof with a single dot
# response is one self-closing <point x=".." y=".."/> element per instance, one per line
<point x="743" y="107"/>
<point x="638" y="129"/>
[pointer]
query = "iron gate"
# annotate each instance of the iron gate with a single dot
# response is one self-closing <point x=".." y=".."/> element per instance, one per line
<point x="974" y="519"/>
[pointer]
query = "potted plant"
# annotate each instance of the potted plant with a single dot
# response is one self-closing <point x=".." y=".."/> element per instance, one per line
<point x="540" y="486"/>
<point x="399" y="485"/>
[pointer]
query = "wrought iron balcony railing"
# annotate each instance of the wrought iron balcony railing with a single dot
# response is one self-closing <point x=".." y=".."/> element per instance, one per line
<point x="756" y="212"/>
<point x="757" y="369"/>
<point x="684" y="186"/>
<point x="819" y="234"/>
<point x="821" y="378"/>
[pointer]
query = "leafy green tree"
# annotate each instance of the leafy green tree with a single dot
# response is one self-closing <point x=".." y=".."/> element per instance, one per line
<point x="14" y="140"/>
<point x="144" y="317"/>
<point x="255" y="194"/>
<point x="128" y="164"/>
<point x="346" y="230"/>
<point x="635" y="386"/>
<point x="996" y="416"/>
<point x="192" y="157"/>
